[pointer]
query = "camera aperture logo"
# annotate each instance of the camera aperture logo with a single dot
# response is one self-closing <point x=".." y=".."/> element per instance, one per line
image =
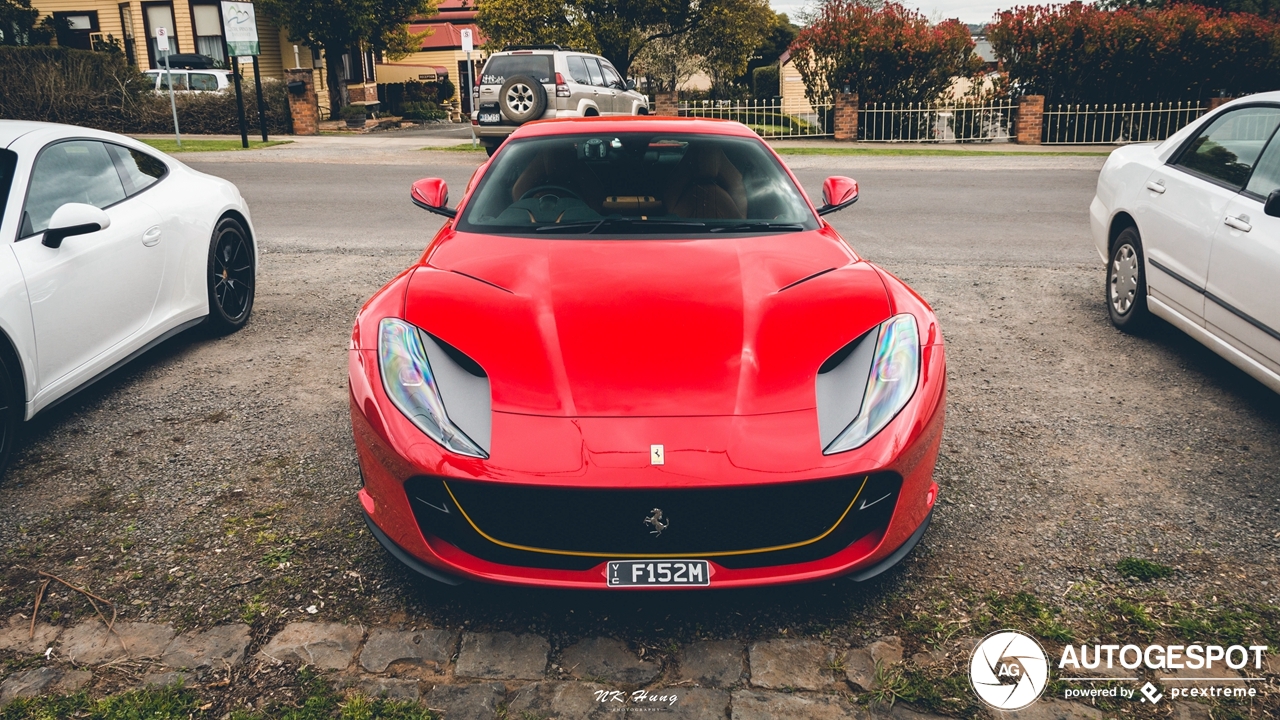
<point x="1009" y="670"/>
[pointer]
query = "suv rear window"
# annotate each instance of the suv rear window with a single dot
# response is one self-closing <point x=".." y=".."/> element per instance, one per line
<point x="502" y="67"/>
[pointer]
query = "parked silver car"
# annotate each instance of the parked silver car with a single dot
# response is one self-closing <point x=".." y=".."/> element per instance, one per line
<point x="541" y="82"/>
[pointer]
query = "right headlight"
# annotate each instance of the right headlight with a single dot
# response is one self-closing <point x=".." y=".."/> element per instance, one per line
<point x="412" y="387"/>
<point x="895" y="371"/>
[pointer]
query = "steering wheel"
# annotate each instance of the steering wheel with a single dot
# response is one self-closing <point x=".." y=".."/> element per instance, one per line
<point x="532" y="191"/>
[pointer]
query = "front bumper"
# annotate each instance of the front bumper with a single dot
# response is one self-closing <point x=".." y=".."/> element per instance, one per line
<point x="453" y="518"/>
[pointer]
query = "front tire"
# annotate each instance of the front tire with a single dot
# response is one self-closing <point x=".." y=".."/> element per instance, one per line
<point x="11" y="409"/>
<point x="231" y="277"/>
<point x="1127" y="283"/>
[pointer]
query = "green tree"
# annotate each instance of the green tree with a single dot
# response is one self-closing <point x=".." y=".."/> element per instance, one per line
<point x="20" y="24"/>
<point x="620" y="30"/>
<point x="339" y="27"/>
<point x="778" y="37"/>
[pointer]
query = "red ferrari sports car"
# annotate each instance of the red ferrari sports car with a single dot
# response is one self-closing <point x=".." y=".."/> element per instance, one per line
<point x="636" y="356"/>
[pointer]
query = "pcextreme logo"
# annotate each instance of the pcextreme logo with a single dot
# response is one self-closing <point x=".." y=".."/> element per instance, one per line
<point x="1009" y="670"/>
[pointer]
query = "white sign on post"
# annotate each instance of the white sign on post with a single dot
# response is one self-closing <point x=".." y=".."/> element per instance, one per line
<point x="240" y="28"/>
<point x="162" y="39"/>
<point x="467" y="43"/>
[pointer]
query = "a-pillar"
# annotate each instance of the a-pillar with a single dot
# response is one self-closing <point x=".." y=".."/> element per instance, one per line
<point x="846" y="120"/>
<point x="303" y="106"/>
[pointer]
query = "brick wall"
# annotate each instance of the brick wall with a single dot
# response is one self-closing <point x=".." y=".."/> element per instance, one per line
<point x="304" y="107"/>
<point x="1029" y="123"/>
<point x="846" y="120"/>
<point x="1215" y="103"/>
<point x="666" y="103"/>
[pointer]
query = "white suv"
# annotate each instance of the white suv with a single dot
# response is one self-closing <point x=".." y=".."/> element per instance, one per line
<point x="539" y="82"/>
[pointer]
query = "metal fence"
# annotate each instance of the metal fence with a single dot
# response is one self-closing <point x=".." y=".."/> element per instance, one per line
<point x="941" y="123"/>
<point x="1116" y="124"/>
<point x="771" y="118"/>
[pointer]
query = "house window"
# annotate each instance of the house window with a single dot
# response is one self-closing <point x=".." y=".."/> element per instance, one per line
<point x="207" y="22"/>
<point x="74" y="28"/>
<point x="159" y="15"/>
<point x="126" y="23"/>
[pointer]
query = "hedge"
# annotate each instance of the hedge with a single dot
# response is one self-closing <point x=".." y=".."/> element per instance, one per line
<point x="100" y="90"/>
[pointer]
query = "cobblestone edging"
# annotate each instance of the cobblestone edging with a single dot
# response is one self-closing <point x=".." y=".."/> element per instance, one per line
<point x="469" y="675"/>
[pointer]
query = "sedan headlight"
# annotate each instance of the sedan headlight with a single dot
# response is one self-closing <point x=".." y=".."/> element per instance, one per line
<point x="895" y="371"/>
<point x="408" y="381"/>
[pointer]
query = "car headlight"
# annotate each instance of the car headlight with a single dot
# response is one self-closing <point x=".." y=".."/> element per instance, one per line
<point x="409" y="382"/>
<point x="895" y="371"/>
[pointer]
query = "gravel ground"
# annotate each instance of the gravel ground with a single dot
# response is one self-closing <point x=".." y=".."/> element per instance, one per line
<point x="214" y="480"/>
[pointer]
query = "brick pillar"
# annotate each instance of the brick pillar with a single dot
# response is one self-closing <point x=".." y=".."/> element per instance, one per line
<point x="846" y="120"/>
<point x="666" y="103"/>
<point x="1029" y="123"/>
<point x="1215" y="103"/>
<point x="304" y="108"/>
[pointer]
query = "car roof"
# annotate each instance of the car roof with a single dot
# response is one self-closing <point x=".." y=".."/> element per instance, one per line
<point x="11" y="130"/>
<point x="634" y="123"/>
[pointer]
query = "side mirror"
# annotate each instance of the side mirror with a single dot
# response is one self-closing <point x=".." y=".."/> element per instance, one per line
<point x="838" y="193"/>
<point x="74" y="219"/>
<point x="432" y="195"/>
<point x="1272" y="207"/>
<point x="631" y="84"/>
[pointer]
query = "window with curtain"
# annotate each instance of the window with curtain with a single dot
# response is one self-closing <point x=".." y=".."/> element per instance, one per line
<point x="157" y="16"/>
<point x="208" y="26"/>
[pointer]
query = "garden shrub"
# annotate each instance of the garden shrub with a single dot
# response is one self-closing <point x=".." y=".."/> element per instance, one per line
<point x="100" y="90"/>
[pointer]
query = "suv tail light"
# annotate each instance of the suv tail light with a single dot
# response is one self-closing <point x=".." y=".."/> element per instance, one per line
<point x="562" y="88"/>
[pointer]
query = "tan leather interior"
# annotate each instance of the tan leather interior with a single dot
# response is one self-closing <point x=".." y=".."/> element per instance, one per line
<point x="706" y="185"/>
<point x="559" y="166"/>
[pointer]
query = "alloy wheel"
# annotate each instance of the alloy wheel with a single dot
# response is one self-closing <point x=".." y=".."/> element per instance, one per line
<point x="232" y="273"/>
<point x="520" y="98"/>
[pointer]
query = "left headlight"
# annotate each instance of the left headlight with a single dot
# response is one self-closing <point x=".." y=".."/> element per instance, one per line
<point x="895" y="371"/>
<point x="409" y="382"/>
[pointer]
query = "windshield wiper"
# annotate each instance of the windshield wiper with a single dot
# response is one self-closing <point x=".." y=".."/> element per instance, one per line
<point x="592" y="225"/>
<point x="751" y="226"/>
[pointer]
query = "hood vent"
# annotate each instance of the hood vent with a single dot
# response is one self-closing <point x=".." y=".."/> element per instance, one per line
<point x="804" y="279"/>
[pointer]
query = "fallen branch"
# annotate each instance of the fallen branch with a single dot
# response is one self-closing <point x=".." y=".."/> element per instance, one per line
<point x="49" y="577"/>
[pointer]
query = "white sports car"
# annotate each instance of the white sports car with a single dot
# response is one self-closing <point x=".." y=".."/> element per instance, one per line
<point x="1190" y="230"/>
<point x="114" y="247"/>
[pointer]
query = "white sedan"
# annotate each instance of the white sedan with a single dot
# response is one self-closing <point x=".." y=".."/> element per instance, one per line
<point x="114" y="247"/>
<point x="1190" y="230"/>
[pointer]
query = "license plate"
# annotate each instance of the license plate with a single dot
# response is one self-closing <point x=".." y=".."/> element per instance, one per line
<point x="490" y="117"/>
<point x="630" y="573"/>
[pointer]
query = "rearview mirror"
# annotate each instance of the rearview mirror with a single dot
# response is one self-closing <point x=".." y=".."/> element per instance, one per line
<point x="432" y="195"/>
<point x="74" y="219"/>
<point x="1272" y="207"/>
<point x="838" y="193"/>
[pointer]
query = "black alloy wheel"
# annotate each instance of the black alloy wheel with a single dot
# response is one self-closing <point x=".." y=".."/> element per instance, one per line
<point x="11" y="408"/>
<point x="231" y="277"/>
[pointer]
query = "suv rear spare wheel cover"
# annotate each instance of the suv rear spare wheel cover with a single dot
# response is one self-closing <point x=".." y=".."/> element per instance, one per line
<point x="522" y="99"/>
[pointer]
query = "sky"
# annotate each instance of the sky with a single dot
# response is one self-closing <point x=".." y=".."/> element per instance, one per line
<point x="969" y="11"/>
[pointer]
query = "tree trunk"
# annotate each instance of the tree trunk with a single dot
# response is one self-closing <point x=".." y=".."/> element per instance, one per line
<point x="337" y="87"/>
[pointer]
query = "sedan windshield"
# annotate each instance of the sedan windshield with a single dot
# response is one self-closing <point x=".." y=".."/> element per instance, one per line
<point x="635" y="183"/>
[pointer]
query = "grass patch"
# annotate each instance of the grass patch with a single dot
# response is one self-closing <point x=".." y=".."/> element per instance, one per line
<point x="784" y="150"/>
<point x="463" y="147"/>
<point x="191" y="145"/>
<point x="1143" y="570"/>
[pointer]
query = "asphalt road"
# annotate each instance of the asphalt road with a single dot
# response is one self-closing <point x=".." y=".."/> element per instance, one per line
<point x="967" y="215"/>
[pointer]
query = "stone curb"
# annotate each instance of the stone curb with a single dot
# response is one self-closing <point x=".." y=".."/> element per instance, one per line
<point x="472" y="675"/>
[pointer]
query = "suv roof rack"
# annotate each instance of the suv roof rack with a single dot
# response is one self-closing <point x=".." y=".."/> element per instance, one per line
<point x="532" y="47"/>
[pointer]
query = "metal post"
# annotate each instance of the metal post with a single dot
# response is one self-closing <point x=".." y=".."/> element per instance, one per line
<point x="173" y="105"/>
<point x="262" y="106"/>
<point x="471" y="84"/>
<point x="244" y="128"/>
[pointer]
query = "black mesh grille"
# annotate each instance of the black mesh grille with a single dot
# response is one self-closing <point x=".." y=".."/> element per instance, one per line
<point x="756" y="524"/>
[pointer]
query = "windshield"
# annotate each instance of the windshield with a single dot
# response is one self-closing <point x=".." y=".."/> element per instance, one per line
<point x="635" y="183"/>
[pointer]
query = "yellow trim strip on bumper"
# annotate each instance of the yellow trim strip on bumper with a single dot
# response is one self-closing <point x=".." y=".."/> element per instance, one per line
<point x="656" y="556"/>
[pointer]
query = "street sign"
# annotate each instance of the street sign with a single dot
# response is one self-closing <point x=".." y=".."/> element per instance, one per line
<point x="467" y="43"/>
<point x="162" y="39"/>
<point x="240" y="28"/>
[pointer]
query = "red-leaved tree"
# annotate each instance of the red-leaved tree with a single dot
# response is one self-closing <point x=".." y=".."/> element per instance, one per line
<point x="884" y="53"/>
<point x="1077" y="53"/>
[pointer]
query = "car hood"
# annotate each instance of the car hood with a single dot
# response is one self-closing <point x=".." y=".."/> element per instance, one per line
<point x="715" y="326"/>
